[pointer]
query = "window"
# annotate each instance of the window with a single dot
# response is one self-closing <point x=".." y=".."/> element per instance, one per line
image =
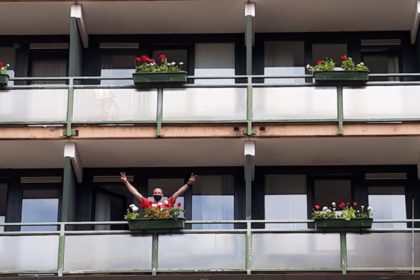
<point x="382" y="56"/>
<point x="388" y="203"/>
<point x="3" y="200"/>
<point x="213" y="199"/>
<point x="111" y="202"/>
<point x="285" y="199"/>
<point x="48" y="65"/>
<point x="215" y="59"/>
<point x="284" y="58"/>
<point x="331" y="190"/>
<point x="40" y="205"/>
<point x="117" y="66"/>
<point x="334" y="51"/>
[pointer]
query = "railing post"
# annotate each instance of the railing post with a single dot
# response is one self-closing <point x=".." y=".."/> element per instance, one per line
<point x="340" y="110"/>
<point x="249" y="107"/>
<point x="61" y="247"/>
<point x="343" y="252"/>
<point x="69" y="118"/>
<point x="248" y="249"/>
<point x="159" y="112"/>
<point x="155" y="253"/>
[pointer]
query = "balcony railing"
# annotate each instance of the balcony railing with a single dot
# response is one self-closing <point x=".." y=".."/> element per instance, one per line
<point x="75" y="103"/>
<point x="247" y="250"/>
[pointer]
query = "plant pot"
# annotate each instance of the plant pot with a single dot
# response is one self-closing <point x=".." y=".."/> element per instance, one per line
<point x="343" y="224"/>
<point x="4" y="79"/>
<point x="160" y="79"/>
<point x="156" y="224"/>
<point x="341" y="77"/>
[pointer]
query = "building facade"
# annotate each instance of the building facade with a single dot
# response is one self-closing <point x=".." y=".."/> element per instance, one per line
<point x="266" y="141"/>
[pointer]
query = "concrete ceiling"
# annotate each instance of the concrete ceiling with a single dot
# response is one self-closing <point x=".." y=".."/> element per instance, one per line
<point x="207" y="16"/>
<point x="214" y="152"/>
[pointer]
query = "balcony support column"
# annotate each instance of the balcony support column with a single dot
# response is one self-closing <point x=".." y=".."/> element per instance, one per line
<point x="71" y="176"/>
<point x="249" y="34"/>
<point x="78" y="40"/>
<point x="249" y="170"/>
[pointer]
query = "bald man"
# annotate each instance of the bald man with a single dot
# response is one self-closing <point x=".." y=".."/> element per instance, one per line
<point x="157" y="193"/>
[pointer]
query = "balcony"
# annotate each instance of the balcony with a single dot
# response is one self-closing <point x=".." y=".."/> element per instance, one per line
<point x="281" y="117"/>
<point x="222" y="103"/>
<point x="248" y="250"/>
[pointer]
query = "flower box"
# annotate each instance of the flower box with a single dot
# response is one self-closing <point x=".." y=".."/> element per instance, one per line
<point x="4" y="79"/>
<point x="156" y="224"/>
<point x="356" y="223"/>
<point x="160" y="79"/>
<point x="341" y="77"/>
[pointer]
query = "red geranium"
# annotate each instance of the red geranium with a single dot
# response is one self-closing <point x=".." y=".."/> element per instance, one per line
<point x="1" y="64"/>
<point x="344" y="57"/>
<point x="162" y="57"/>
<point x="317" y="206"/>
<point x="319" y="61"/>
<point x="342" y="205"/>
<point x="354" y="203"/>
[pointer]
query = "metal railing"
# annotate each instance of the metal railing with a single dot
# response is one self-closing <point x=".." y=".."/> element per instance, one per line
<point x="246" y="102"/>
<point x="247" y="249"/>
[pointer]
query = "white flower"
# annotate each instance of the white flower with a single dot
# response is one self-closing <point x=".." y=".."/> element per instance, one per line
<point x="370" y="209"/>
<point x="133" y="207"/>
<point x="361" y="63"/>
<point x="325" y="208"/>
<point x="154" y="205"/>
<point x="181" y="63"/>
<point x="173" y="63"/>
<point x="333" y="204"/>
<point x="8" y="65"/>
<point x="333" y="209"/>
<point x="308" y="66"/>
<point x="362" y="207"/>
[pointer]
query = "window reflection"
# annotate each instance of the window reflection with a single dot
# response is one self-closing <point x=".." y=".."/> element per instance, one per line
<point x="3" y="201"/>
<point x="285" y="199"/>
<point x="388" y="203"/>
<point x="284" y="58"/>
<point x="213" y="200"/>
<point x="39" y="210"/>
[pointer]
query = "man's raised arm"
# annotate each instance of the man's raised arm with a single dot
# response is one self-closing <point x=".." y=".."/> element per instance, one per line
<point x="184" y="187"/>
<point x="130" y="187"/>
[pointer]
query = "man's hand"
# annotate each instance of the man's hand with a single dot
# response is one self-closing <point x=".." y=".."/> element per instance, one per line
<point x="123" y="177"/>
<point x="191" y="180"/>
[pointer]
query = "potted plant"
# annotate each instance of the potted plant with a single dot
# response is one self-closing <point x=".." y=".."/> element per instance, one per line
<point x="4" y="78"/>
<point x="152" y="73"/>
<point x="346" y="216"/>
<point x="157" y="217"/>
<point x="325" y="71"/>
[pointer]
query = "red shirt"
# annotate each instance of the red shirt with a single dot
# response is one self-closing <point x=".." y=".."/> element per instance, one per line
<point x="167" y="203"/>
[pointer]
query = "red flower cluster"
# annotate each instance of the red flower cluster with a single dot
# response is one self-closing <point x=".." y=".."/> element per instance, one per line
<point x="344" y="57"/>
<point x="1" y="64"/>
<point x="143" y="58"/>
<point x="319" y="61"/>
<point x="343" y="204"/>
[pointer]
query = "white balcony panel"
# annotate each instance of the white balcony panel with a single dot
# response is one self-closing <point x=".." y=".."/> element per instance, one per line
<point x="28" y="253"/>
<point x="204" y="104"/>
<point x="296" y="251"/>
<point x="376" y="250"/>
<point x="32" y="105"/>
<point x="108" y="252"/>
<point x="295" y="103"/>
<point x="114" y="105"/>
<point x="202" y="251"/>
<point x="382" y="102"/>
